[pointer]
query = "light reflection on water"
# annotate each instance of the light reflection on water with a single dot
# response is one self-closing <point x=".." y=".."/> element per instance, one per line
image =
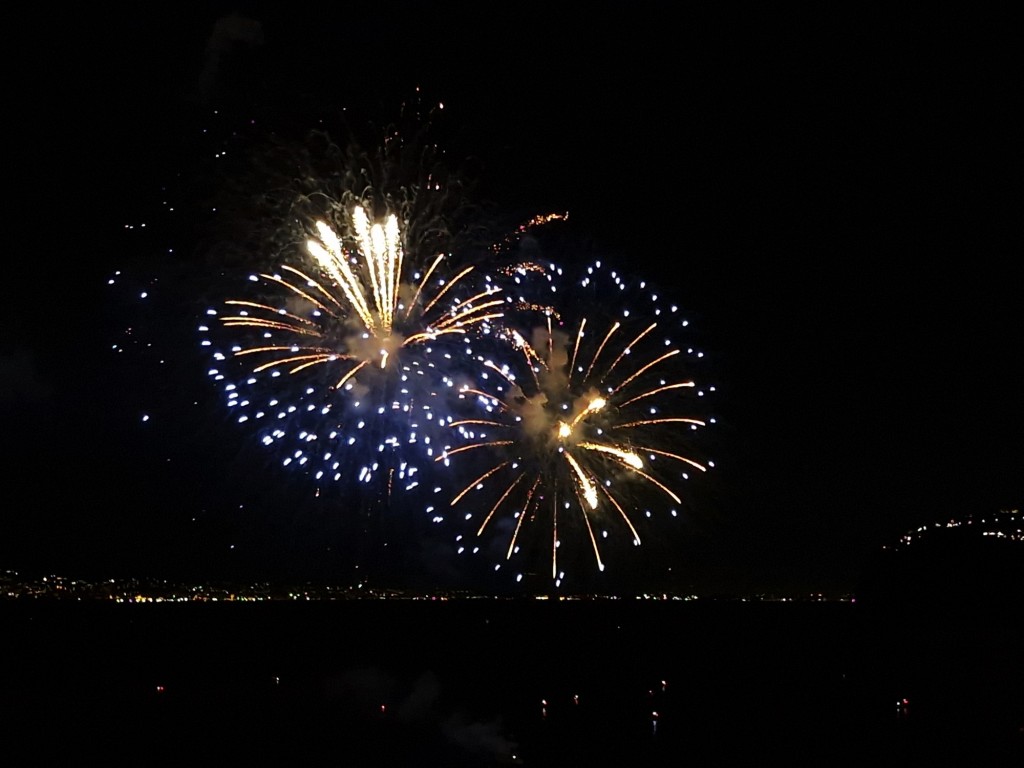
<point x="475" y="682"/>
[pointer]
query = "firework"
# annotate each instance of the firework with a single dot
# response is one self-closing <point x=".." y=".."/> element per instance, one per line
<point x="588" y="430"/>
<point x="343" y="355"/>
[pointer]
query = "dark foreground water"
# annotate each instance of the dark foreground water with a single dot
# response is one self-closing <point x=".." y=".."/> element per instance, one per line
<point x="480" y="683"/>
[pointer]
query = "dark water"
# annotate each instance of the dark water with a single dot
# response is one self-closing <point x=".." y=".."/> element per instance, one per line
<point x="463" y="683"/>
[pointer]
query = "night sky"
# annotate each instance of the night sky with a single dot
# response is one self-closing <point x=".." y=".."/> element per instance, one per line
<point x="834" y="199"/>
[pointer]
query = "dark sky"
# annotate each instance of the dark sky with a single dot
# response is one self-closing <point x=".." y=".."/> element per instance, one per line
<point x="830" y="196"/>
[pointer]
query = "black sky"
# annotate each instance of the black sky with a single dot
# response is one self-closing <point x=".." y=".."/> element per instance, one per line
<point x="835" y="199"/>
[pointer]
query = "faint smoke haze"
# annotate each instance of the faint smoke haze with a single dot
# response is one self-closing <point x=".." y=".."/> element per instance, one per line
<point x="228" y="33"/>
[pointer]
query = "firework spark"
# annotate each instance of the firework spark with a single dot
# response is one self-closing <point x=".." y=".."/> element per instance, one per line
<point x="587" y="431"/>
